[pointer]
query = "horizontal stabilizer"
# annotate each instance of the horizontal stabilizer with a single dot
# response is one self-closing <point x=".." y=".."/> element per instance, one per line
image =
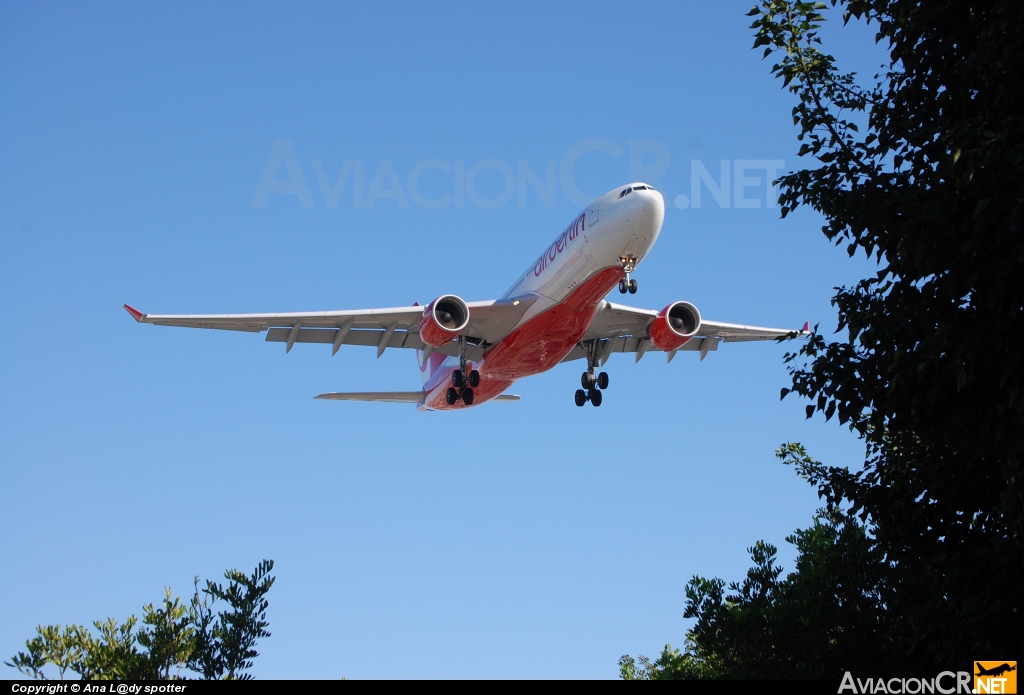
<point x="392" y="396"/>
<point x="382" y="396"/>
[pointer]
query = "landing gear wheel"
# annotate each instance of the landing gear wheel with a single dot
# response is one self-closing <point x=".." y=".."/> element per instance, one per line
<point x="474" y="379"/>
<point x="581" y="397"/>
<point x="595" y="398"/>
<point x="623" y="287"/>
<point x="451" y="396"/>
<point x="632" y="286"/>
<point x="467" y="396"/>
<point x="587" y="380"/>
<point x="457" y="378"/>
<point x="602" y="380"/>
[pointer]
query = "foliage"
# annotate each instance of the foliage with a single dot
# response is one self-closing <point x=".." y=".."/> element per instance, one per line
<point x="827" y="616"/>
<point x="914" y="563"/>
<point x="931" y="374"/>
<point x="171" y="637"/>
<point x="225" y="644"/>
<point x="671" y="665"/>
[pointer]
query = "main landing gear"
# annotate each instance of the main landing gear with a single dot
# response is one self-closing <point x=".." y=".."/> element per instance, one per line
<point x="462" y="387"/>
<point x="591" y="381"/>
<point x="592" y="384"/>
<point x="463" y="383"/>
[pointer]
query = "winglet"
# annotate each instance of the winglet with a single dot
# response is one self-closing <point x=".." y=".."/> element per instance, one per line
<point x="136" y="314"/>
<point x="805" y="329"/>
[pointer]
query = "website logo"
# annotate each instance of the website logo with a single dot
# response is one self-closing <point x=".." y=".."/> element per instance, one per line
<point x="995" y="677"/>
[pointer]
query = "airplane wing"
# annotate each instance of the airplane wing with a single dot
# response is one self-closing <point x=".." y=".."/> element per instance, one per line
<point x="623" y="328"/>
<point x="395" y="327"/>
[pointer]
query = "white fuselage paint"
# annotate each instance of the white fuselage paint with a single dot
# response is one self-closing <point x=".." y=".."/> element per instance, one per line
<point x="610" y="228"/>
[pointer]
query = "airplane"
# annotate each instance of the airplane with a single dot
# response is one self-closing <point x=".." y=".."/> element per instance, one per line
<point x="995" y="671"/>
<point x="470" y="353"/>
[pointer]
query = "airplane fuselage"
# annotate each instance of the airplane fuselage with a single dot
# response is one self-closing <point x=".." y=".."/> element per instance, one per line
<point x="569" y="280"/>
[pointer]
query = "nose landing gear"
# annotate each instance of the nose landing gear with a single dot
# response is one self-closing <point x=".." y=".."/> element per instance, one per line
<point x="628" y="264"/>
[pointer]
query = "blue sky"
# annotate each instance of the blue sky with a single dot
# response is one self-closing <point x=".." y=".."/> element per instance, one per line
<point x="533" y="539"/>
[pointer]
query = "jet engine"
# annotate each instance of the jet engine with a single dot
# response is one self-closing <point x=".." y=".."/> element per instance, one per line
<point x="443" y="319"/>
<point x="675" y="324"/>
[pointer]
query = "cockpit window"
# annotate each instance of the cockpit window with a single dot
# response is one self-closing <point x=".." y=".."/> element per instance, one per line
<point x="639" y="188"/>
<point x="625" y="192"/>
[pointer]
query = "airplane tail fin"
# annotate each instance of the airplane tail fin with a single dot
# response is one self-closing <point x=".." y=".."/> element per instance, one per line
<point x="429" y="365"/>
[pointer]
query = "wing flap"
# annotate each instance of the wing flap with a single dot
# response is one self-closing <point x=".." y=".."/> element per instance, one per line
<point x="630" y="344"/>
<point x="369" y="338"/>
<point x="355" y="337"/>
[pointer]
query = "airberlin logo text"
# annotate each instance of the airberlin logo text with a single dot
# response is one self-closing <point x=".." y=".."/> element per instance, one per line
<point x="946" y="683"/>
<point x="560" y="244"/>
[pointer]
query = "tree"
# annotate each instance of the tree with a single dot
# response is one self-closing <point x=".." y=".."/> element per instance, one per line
<point x="827" y="616"/>
<point x="172" y="637"/>
<point x="671" y="665"/>
<point x="927" y="534"/>
<point x="226" y="644"/>
<point x="930" y="374"/>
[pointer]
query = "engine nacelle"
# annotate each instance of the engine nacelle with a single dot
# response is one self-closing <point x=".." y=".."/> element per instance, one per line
<point x="675" y="324"/>
<point x="443" y="319"/>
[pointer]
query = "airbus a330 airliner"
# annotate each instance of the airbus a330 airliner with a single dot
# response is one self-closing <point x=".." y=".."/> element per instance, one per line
<point x="471" y="352"/>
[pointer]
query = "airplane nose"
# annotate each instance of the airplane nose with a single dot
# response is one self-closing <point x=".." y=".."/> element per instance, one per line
<point x="653" y="204"/>
<point x="657" y="203"/>
<point x="643" y="213"/>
